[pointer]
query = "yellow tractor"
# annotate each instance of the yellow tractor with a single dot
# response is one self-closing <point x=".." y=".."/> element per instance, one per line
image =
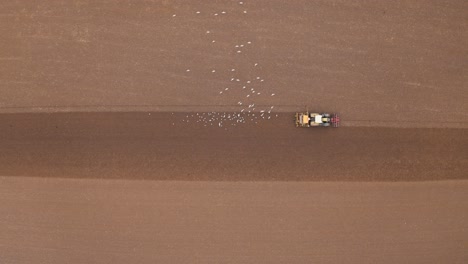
<point x="306" y="119"/>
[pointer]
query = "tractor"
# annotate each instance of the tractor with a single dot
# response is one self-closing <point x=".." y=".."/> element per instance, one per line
<point x="306" y="119"/>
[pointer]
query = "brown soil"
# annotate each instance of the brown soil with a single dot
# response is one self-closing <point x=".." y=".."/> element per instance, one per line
<point x="120" y="221"/>
<point x="395" y="62"/>
<point x="395" y="70"/>
<point x="148" y="146"/>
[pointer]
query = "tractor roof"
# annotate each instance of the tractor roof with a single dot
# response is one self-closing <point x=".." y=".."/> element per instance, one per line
<point x="318" y="119"/>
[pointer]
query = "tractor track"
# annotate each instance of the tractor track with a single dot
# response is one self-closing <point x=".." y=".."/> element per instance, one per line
<point x="346" y="121"/>
<point x="183" y="146"/>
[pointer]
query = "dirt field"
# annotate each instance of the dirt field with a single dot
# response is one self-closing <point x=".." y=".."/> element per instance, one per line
<point x="371" y="61"/>
<point x="148" y="146"/>
<point x="143" y="94"/>
<point x="101" y="221"/>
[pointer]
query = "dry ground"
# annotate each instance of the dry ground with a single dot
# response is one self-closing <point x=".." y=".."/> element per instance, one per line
<point x="395" y="70"/>
<point x="120" y="221"/>
<point x="372" y="61"/>
<point x="142" y="145"/>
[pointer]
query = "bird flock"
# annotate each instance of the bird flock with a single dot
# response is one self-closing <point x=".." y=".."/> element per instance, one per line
<point x="242" y="92"/>
<point x="227" y="119"/>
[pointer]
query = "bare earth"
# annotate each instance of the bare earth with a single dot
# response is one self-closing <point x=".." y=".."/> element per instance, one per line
<point x="120" y="221"/>
<point x="372" y="61"/>
<point x="145" y="145"/>
<point x="102" y="160"/>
